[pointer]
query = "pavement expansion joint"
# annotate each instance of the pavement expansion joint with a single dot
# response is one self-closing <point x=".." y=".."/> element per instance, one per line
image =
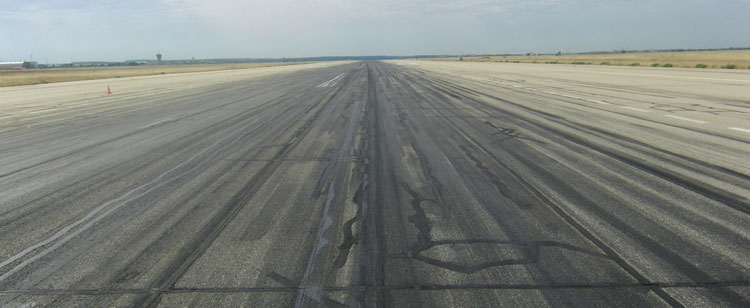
<point x="424" y="287"/>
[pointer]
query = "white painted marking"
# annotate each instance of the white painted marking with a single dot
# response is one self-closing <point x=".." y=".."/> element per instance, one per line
<point x="155" y="124"/>
<point x="570" y="96"/>
<point x="472" y="77"/>
<point x="744" y="130"/>
<point x="331" y="82"/>
<point x="655" y="75"/>
<point x="43" y="111"/>
<point x="686" y="119"/>
<point x="635" y="109"/>
<point x="598" y="102"/>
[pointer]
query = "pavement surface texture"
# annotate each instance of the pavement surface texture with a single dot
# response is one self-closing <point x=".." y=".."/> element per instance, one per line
<point x="379" y="184"/>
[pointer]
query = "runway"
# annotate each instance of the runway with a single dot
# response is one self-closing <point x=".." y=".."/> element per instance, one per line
<point x="379" y="184"/>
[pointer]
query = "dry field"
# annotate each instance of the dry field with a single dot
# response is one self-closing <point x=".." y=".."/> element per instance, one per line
<point x="38" y="76"/>
<point x="738" y="59"/>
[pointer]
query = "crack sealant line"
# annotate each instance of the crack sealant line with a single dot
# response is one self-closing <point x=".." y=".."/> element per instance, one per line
<point x="321" y="241"/>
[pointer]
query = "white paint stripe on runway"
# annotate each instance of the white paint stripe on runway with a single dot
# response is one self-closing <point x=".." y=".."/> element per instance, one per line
<point x="744" y="130"/>
<point x="43" y="111"/>
<point x="656" y="75"/>
<point x="156" y="123"/>
<point x="635" y="109"/>
<point x="598" y="102"/>
<point x="330" y="82"/>
<point x="686" y="119"/>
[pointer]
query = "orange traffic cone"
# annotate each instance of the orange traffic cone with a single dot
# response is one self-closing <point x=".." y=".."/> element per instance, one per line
<point x="109" y="92"/>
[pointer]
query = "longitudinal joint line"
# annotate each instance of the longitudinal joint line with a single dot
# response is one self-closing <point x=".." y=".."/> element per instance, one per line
<point x="420" y="287"/>
<point x="375" y="220"/>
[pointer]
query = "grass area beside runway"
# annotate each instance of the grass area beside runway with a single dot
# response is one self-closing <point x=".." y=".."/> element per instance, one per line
<point x="40" y="76"/>
<point x="728" y="59"/>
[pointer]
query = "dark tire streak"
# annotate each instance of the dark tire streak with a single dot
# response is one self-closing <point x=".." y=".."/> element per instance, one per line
<point x="211" y="231"/>
<point x="685" y="267"/>
<point x="732" y="200"/>
<point x="375" y="241"/>
<point x="371" y="185"/>
<point x="178" y="143"/>
<point x="582" y="230"/>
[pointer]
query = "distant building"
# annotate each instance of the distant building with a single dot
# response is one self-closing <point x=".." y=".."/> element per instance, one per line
<point x="18" y="65"/>
<point x="11" y="65"/>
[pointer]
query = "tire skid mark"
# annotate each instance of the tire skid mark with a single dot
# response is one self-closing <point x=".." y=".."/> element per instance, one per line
<point x="142" y="129"/>
<point x="204" y="93"/>
<point x="108" y="207"/>
<point x="333" y="171"/>
<point x="125" y="270"/>
<point x="529" y="250"/>
<point x="210" y="130"/>
<point x="224" y="124"/>
<point x="685" y="267"/>
<point x="466" y="90"/>
<point x="151" y="187"/>
<point x="124" y="274"/>
<point x="727" y="198"/>
<point x="730" y="199"/>
<point x="234" y="132"/>
<point x="203" y="240"/>
<point x="593" y="239"/>
<point x="502" y="189"/>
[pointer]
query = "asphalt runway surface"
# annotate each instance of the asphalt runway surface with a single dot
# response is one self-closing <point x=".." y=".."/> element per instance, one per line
<point x="379" y="184"/>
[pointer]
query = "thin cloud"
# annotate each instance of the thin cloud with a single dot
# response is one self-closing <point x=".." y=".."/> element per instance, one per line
<point x="110" y="29"/>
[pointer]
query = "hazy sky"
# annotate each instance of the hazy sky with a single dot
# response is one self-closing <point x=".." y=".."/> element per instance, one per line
<point x="61" y="30"/>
